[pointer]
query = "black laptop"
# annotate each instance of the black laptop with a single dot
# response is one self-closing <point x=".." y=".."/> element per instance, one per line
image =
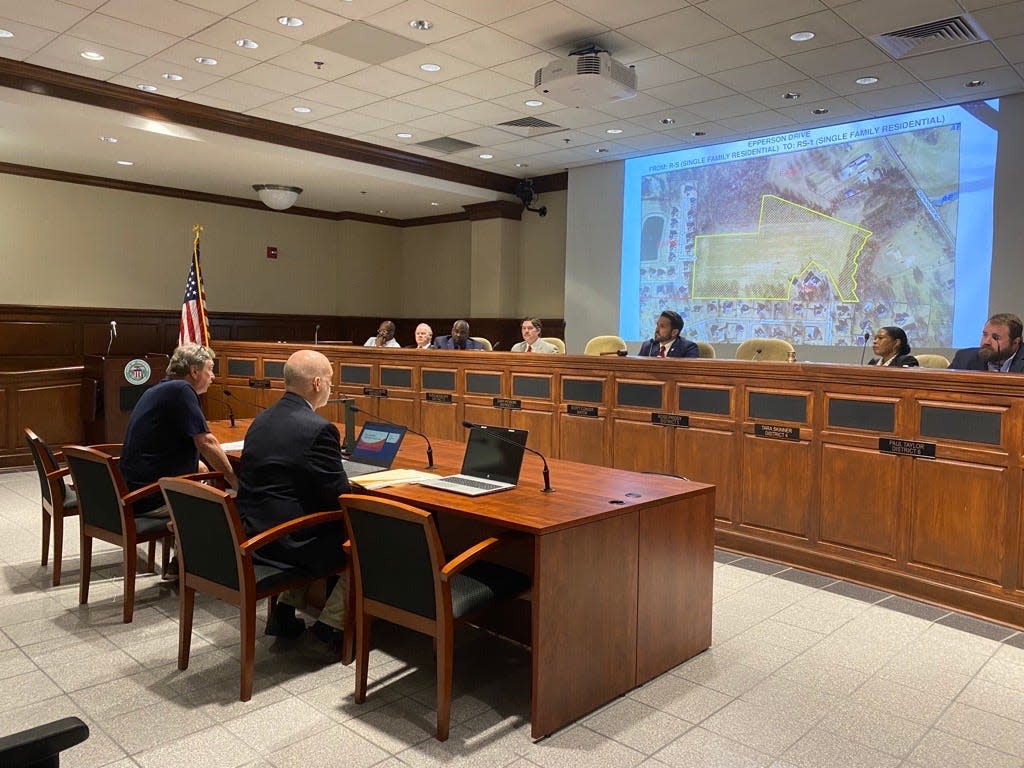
<point x="489" y="465"/>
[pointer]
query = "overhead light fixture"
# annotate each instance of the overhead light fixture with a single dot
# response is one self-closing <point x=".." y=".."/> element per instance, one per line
<point x="6" y="33"/>
<point x="522" y="165"/>
<point x="869" y="80"/>
<point x="109" y="139"/>
<point x="433" y="203"/>
<point x="277" y="196"/>
<point x="486" y="156"/>
<point x="801" y="37"/>
<point x="247" y="43"/>
<point x="206" y="60"/>
<point x="974" y="83"/>
<point x="404" y="135"/>
<point x="614" y="131"/>
<point x="601" y="150"/>
<point x="820" y="111"/>
<point x="92" y="55"/>
<point x="381" y="211"/>
<point x="430" y="67"/>
<point x="172" y="76"/>
<point x="146" y="87"/>
<point x="125" y="162"/>
<point x="698" y="134"/>
<point x="289" y="21"/>
<point x="791" y="95"/>
<point x="302" y="110"/>
<point x="421" y="25"/>
<point x="667" y="121"/>
<point x="534" y="103"/>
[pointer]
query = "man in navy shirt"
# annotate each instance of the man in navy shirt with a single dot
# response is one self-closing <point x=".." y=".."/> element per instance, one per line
<point x="459" y="338"/>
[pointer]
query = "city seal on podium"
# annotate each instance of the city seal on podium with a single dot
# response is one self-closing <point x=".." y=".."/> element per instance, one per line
<point x="137" y="371"/>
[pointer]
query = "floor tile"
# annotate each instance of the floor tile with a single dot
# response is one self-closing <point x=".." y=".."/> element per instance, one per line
<point x="824" y="749"/>
<point x="856" y="591"/>
<point x="636" y="725"/>
<point x="214" y="747"/>
<point x="680" y="698"/>
<point x="698" y="748"/>
<point x="977" y="626"/>
<point x="998" y="732"/>
<point x="942" y="750"/>
<point x="874" y="728"/>
<point x="334" y="746"/>
<point x="913" y="608"/>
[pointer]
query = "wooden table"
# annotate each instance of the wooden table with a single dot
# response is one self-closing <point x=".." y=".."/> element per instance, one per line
<point x="621" y="564"/>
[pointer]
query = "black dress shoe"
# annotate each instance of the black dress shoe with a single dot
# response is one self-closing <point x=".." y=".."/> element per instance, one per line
<point x="327" y="635"/>
<point x="284" y="623"/>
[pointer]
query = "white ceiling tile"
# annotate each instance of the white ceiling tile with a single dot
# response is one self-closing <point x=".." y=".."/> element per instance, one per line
<point x="744" y="15"/>
<point x="485" y="84"/>
<point x="451" y="67"/>
<point x="43" y="58"/>
<point x="713" y="133"/>
<point x="885" y="98"/>
<point x="486" y="47"/>
<point x="759" y="124"/>
<point x="973" y="5"/>
<point x="165" y="89"/>
<point x="69" y="49"/>
<point x="565" y="139"/>
<point x="185" y="53"/>
<point x="1002" y="20"/>
<point x="350" y="122"/>
<point x="755" y="76"/>
<point x="267" y="75"/>
<point x="627" y="128"/>
<point x="303" y="59"/>
<point x="384" y="82"/>
<point x="838" y="109"/>
<point x="837" y="58"/>
<point x="828" y="30"/>
<point x="660" y="70"/>
<point x="10" y="51"/>
<point x="48" y="14"/>
<point x="341" y="96"/>
<point x="437" y="98"/>
<point x="394" y="111"/>
<point x="26" y="37"/>
<point x="282" y="111"/>
<point x="446" y="24"/>
<point x="550" y="26"/>
<point x="152" y="71"/>
<point x="483" y="137"/>
<point x="485" y="113"/>
<point x="222" y="7"/>
<point x="166" y="15"/>
<point x="89" y="5"/>
<point x="576" y="117"/>
<point x="241" y="93"/>
<point x="445" y="125"/>
<point x="655" y="142"/>
<point x="623" y="49"/>
<point x="224" y="33"/>
<point x="727" y="53"/>
<point x="264" y="14"/>
<point x="679" y="29"/>
<point x="774" y="96"/>
<point x="522" y="147"/>
<point x="679" y="117"/>
<point x="690" y="91"/>
<point x="638" y="105"/>
<point x="873" y="17"/>
<point x="615" y="13"/>
<point x="995" y="81"/>
<point x="930" y="66"/>
<point x="1012" y="48"/>
<point x="889" y="75"/>
<point x="524" y="69"/>
<point x="211" y="101"/>
<point x="351" y="10"/>
<point x="730" y="106"/>
<point x="488" y="11"/>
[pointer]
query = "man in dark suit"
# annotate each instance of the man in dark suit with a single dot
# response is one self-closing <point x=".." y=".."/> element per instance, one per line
<point x="1000" y="351"/>
<point x="667" y="342"/>
<point x="459" y="339"/>
<point x="291" y="466"/>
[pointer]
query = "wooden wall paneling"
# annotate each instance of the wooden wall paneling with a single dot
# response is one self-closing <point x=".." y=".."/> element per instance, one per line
<point x="442" y="420"/>
<point x="541" y="426"/>
<point x="27" y="338"/>
<point x="585" y="439"/>
<point x="776" y="481"/>
<point x="709" y="454"/>
<point x="860" y="502"/>
<point x="641" y="446"/>
<point x="7" y="424"/>
<point x="47" y="401"/>
<point x="400" y="407"/>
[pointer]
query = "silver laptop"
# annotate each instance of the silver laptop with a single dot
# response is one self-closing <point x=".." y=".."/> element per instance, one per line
<point x="489" y="465"/>
<point x="375" y="450"/>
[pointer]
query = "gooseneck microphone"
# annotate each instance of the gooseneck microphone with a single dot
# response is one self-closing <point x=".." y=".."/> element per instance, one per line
<point x="547" y="475"/>
<point x="227" y="393"/>
<point x="113" y="335"/>
<point x="226" y="404"/>
<point x="430" y="450"/>
<point x="757" y="353"/>
<point x="864" y="346"/>
<point x="316" y="335"/>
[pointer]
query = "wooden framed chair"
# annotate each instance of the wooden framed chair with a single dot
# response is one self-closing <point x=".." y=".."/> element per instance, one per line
<point x="486" y="343"/>
<point x="401" y="576"/>
<point x="215" y="558"/>
<point x="107" y="512"/>
<point x="556" y="341"/>
<point x="605" y="345"/>
<point x="58" y="501"/>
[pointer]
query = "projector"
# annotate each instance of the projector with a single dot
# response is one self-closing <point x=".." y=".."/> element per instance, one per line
<point x="588" y="79"/>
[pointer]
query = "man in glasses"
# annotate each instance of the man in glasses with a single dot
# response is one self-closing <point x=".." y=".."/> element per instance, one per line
<point x="1000" y="350"/>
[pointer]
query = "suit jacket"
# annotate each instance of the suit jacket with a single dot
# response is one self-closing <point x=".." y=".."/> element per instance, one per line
<point x="538" y="346"/>
<point x="968" y="360"/>
<point x="445" y="342"/>
<point x="291" y="466"/>
<point x="680" y="348"/>
<point x="901" y="361"/>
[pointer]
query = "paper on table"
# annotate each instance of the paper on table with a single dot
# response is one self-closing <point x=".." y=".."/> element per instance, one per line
<point x="235" y="446"/>
<point x="390" y="477"/>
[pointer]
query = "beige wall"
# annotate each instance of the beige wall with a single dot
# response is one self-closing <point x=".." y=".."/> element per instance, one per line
<point x="542" y="259"/>
<point x="434" y="270"/>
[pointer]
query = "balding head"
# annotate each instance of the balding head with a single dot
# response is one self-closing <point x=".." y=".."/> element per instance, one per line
<point x="308" y="374"/>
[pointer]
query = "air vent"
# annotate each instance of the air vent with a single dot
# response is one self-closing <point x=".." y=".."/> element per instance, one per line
<point x="529" y="126"/>
<point x="446" y="144"/>
<point x="934" y="36"/>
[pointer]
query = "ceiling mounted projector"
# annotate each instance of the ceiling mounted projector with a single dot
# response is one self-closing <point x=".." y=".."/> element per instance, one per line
<point x="586" y="78"/>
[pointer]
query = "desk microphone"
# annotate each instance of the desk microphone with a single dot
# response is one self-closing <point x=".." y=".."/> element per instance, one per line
<point x="257" y="406"/>
<point x="547" y="476"/>
<point x="495" y="345"/>
<point x="757" y="353"/>
<point x="226" y="404"/>
<point x="316" y="335"/>
<point x="430" y="451"/>
<point x="864" y="346"/>
<point x="113" y="335"/>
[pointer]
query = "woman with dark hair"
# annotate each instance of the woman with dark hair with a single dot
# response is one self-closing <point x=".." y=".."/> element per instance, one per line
<point x="893" y="348"/>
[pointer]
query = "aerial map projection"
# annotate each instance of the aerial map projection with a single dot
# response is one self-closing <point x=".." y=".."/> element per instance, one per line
<point x="816" y="236"/>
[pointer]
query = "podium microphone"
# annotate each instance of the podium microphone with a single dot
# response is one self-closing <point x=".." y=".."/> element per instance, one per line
<point x="757" y="354"/>
<point x="257" y="406"/>
<point x="864" y="346"/>
<point x="430" y="450"/>
<point x="547" y="476"/>
<point x="316" y="335"/>
<point x="113" y="335"/>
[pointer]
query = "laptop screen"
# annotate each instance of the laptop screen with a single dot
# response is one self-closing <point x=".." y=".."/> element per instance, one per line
<point x="378" y="444"/>
<point x="491" y="458"/>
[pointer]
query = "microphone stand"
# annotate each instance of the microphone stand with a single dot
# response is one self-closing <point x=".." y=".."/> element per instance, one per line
<point x="757" y="354"/>
<point x="547" y="476"/>
<point x="430" y="450"/>
<point x="257" y="406"/>
<point x="226" y="404"/>
<point x="864" y="347"/>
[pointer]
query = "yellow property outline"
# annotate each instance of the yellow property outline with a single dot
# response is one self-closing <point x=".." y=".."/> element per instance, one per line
<point x="812" y="262"/>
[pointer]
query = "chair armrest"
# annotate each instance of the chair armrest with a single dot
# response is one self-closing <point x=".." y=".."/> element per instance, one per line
<point x="458" y="563"/>
<point x="140" y="493"/>
<point x="295" y="524"/>
<point x="211" y="475"/>
<point x="37" y="746"/>
<point x="59" y="472"/>
<point x="111" y="449"/>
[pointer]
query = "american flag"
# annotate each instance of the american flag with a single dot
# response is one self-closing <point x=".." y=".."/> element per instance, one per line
<point x="194" y="327"/>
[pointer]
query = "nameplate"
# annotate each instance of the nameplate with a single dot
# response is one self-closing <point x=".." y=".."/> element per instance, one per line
<point x="589" y="411"/>
<point x="259" y="383"/>
<point x="906" y="447"/>
<point x="670" y="419"/>
<point x="776" y="432"/>
<point x="375" y="392"/>
<point x="509" y="403"/>
<point x="438" y="397"/>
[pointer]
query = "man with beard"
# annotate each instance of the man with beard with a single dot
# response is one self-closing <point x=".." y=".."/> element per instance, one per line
<point x="1000" y="350"/>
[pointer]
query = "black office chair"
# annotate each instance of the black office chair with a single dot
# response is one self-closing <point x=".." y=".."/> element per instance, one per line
<point x="57" y="500"/>
<point x="40" y="747"/>
<point x="215" y="557"/>
<point x="401" y="576"/>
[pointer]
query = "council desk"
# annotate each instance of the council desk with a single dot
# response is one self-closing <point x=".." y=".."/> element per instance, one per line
<point x="621" y="564"/>
<point x="907" y="479"/>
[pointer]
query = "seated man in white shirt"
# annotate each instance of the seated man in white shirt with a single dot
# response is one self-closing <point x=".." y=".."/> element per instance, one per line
<point x="385" y="336"/>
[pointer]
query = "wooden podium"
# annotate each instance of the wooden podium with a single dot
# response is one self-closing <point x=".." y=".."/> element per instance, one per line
<point x="111" y="386"/>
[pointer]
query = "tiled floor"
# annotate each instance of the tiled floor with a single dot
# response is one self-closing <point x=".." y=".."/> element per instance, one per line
<point x="804" y="671"/>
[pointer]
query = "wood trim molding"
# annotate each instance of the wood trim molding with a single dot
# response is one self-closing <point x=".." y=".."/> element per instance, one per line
<point x="497" y="209"/>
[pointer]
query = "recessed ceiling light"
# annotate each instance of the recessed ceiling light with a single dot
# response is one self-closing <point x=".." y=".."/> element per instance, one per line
<point x="404" y="135"/>
<point x="866" y="80"/>
<point x="801" y="37"/>
<point x="534" y="103"/>
<point x="614" y="131"/>
<point x="289" y="21"/>
<point x="433" y="203"/>
<point x="820" y="111"/>
<point x="6" y="33"/>
<point x="302" y="110"/>
<point x="486" y="156"/>
<point x="421" y="25"/>
<point x="667" y="121"/>
<point x="522" y="165"/>
<point x="172" y="76"/>
<point x="92" y="55"/>
<point x="109" y="139"/>
<point x="430" y="67"/>
<point x="206" y="60"/>
<point x="698" y="133"/>
<point x="125" y="162"/>
<point x="601" y="150"/>
<point x="381" y="211"/>
<point x="791" y="95"/>
<point x="247" y="43"/>
<point x="974" y="83"/>
<point x="146" y="87"/>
